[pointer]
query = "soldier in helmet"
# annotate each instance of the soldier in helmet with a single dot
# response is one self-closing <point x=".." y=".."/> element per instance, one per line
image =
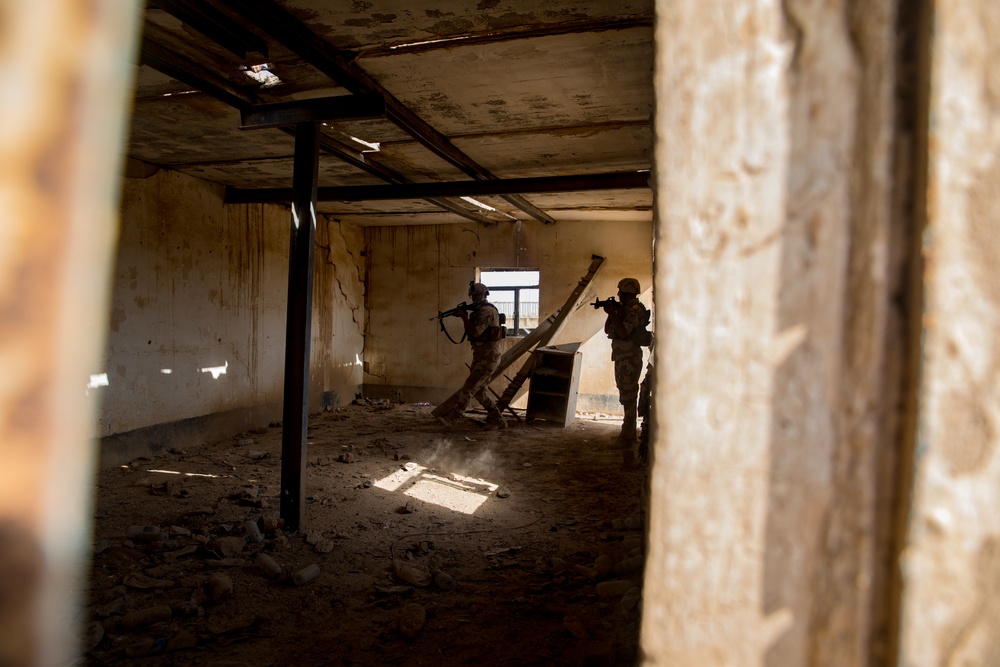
<point x="482" y="326"/>
<point x="626" y="327"/>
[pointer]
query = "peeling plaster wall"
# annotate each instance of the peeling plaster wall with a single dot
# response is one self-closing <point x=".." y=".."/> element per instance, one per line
<point x="197" y="327"/>
<point x="417" y="271"/>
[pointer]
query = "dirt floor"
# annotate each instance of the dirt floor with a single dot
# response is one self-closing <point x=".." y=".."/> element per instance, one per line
<point x="434" y="546"/>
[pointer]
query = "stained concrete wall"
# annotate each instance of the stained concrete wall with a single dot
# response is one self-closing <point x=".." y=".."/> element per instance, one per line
<point x="197" y="329"/>
<point x="416" y="271"/>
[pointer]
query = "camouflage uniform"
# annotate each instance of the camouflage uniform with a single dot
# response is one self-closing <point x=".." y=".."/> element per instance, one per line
<point x="485" y="359"/>
<point x="627" y="356"/>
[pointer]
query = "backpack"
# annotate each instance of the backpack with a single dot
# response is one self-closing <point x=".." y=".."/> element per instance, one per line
<point x="641" y="335"/>
<point x="492" y="334"/>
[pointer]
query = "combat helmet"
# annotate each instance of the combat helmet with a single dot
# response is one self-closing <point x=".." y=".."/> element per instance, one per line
<point x="629" y="286"/>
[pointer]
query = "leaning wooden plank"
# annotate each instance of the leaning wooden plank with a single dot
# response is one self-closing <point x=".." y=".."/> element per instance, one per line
<point x="541" y="336"/>
<point x="517" y="384"/>
<point x="526" y="344"/>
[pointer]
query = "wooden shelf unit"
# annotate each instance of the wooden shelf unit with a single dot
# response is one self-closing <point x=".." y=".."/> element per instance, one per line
<point x="555" y="382"/>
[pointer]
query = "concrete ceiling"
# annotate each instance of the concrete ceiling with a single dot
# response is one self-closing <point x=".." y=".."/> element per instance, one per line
<point x="485" y="91"/>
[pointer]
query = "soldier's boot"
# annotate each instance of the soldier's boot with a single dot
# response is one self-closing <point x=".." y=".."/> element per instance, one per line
<point x="627" y="437"/>
<point x="449" y="419"/>
<point x="495" y="421"/>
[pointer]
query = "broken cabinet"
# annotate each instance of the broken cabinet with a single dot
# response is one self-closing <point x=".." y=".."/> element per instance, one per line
<point x="555" y="381"/>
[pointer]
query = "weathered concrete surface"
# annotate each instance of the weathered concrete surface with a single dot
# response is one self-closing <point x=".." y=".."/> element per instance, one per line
<point x="66" y="81"/>
<point x="774" y="165"/>
<point x="198" y="315"/>
<point x="951" y="568"/>
<point x="417" y="271"/>
<point x="519" y="88"/>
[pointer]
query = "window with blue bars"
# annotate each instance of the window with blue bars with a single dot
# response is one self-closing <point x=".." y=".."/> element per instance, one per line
<point x="514" y="292"/>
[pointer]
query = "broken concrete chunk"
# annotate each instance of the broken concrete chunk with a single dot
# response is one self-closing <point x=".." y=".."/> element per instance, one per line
<point x="268" y="566"/>
<point x="631" y="598"/>
<point x="603" y="564"/>
<point x="144" y="582"/>
<point x="628" y="565"/>
<point x="412" y="574"/>
<point x="613" y="588"/>
<point x="144" y="617"/>
<point x="444" y="581"/>
<point x="219" y="587"/>
<point x="306" y="574"/>
<point x="226" y="547"/>
<point x="412" y="617"/>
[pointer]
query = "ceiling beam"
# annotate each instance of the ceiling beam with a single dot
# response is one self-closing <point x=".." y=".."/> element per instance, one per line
<point x="284" y="28"/>
<point x="167" y="61"/>
<point x="215" y="25"/>
<point x="626" y="180"/>
<point x="341" y="107"/>
<point x="508" y="34"/>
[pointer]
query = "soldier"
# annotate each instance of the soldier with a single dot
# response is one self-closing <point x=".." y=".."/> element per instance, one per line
<point x="626" y="327"/>
<point x="483" y="328"/>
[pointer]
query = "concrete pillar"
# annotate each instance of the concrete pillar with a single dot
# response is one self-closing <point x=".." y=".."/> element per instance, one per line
<point x="67" y="70"/>
<point x="951" y="563"/>
<point x="772" y="290"/>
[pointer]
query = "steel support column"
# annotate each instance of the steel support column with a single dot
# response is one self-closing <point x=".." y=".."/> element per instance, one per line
<point x="298" y="328"/>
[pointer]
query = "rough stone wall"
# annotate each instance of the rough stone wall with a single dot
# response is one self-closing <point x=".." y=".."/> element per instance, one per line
<point x="951" y="568"/>
<point x="774" y="127"/>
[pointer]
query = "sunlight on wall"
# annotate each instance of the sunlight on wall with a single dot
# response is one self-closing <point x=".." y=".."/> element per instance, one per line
<point x="216" y="371"/>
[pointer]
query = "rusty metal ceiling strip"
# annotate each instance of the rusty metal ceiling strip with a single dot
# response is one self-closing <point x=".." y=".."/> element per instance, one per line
<point x="168" y="62"/>
<point x="627" y="180"/>
<point x="296" y="36"/>
<point x="341" y="107"/>
<point x="500" y="35"/>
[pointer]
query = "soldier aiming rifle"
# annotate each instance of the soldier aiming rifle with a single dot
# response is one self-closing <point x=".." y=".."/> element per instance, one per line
<point x="626" y="327"/>
<point x="484" y="327"/>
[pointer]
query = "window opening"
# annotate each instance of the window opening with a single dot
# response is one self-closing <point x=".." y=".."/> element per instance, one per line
<point x="514" y="292"/>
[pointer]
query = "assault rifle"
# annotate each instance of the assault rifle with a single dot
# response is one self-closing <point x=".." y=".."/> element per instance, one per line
<point x="607" y="302"/>
<point x="454" y="311"/>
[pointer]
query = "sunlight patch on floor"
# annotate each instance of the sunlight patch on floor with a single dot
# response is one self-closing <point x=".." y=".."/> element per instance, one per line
<point x="455" y="492"/>
<point x="186" y="474"/>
